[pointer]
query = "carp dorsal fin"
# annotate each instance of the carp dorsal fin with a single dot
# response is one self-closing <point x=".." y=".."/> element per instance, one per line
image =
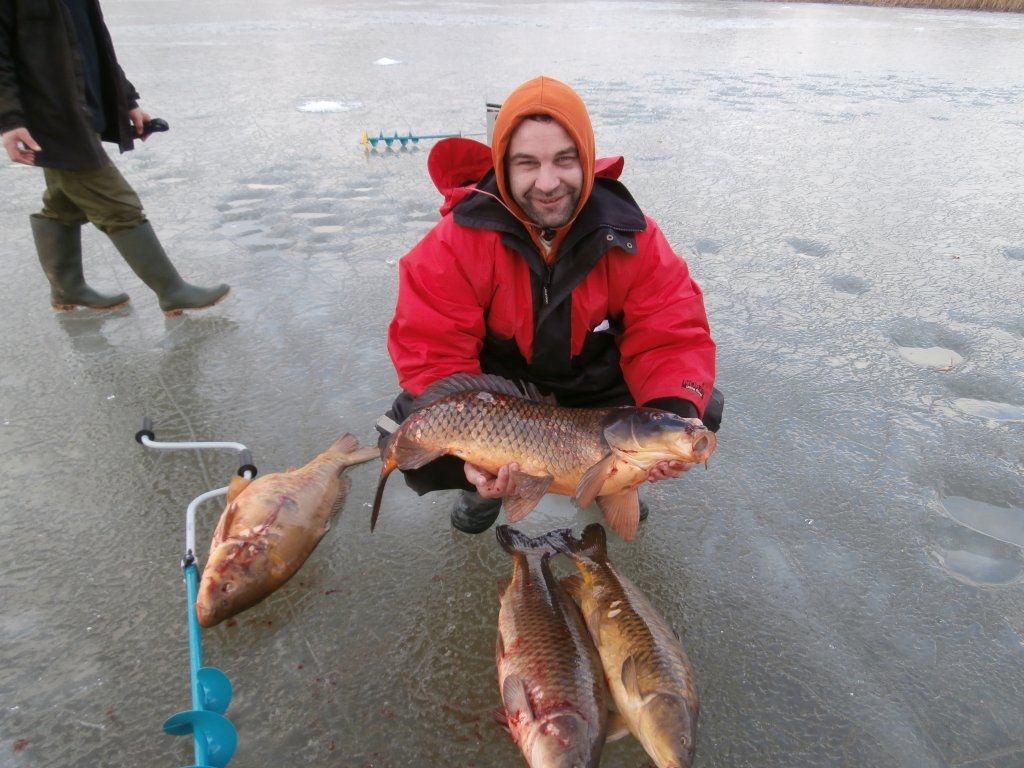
<point x="513" y="695"/>
<point x="339" y="500"/>
<point x="622" y="511"/>
<point x="527" y="492"/>
<point x="590" y="484"/>
<point x="236" y="486"/>
<point x="473" y="382"/>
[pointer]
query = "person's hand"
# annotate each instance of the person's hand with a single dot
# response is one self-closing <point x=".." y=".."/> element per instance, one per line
<point x="667" y="469"/>
<point x="492" y="486"/>
<point x="139" y="116"/>
<point x="14" y="140"/>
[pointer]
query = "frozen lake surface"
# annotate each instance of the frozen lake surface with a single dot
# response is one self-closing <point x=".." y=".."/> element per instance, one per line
<point x="848" y="576"/>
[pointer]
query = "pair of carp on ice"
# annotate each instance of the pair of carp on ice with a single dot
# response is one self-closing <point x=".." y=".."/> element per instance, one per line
<point x="271" y="524"/>
<point x="583" y="660"/>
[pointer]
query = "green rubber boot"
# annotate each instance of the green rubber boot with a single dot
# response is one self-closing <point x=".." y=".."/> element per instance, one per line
<point x="142" y="250"/>
<point x="59" y="248"/>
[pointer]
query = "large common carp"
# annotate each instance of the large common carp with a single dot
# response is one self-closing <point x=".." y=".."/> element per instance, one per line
<point x="588" y="453"/>
<point x="649" y="675"/>
<point x="554" y="692"/>
<point x="269" y="527"/>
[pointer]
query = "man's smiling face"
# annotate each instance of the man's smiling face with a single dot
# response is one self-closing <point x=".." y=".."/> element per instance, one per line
<point x="544" y="172"/>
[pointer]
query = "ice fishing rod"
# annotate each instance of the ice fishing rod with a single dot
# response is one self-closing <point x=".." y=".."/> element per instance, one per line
<point x="369" y="142"/>
<point x="213" y="735"/>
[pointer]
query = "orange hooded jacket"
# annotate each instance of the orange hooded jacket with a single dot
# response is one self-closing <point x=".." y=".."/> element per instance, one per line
<point x="544" y="96"/>
<point x="616" y="317"/>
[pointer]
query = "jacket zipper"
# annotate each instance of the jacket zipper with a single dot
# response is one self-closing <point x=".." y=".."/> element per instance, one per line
<point x="547" y="283"/>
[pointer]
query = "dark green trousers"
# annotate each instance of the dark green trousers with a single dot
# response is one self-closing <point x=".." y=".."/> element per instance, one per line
<point x="101" y="196"/>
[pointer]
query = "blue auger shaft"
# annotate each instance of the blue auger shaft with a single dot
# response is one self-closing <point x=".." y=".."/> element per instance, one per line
<point x="195" y="653"/>
<point x="367" y="140"/>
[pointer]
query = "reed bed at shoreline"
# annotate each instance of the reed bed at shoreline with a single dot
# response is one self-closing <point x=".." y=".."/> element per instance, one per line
<point x="1010" y="6"/>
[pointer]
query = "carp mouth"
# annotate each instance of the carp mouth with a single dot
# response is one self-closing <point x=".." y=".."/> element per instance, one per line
<point x="703" y="447"/>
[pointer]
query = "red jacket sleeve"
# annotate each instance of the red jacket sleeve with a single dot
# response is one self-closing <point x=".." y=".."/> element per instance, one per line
<point x="666" y="345"/>
<point x="438" y="327"/>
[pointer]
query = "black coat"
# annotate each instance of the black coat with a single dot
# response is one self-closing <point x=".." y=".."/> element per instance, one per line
<point x="42" y="84"/>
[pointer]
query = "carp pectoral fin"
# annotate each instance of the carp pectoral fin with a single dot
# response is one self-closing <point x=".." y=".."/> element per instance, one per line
<point x="630" y="679"/>
<point x="500" y="718"/>
<point x="618" y="728"/>
<point x="593" y="622"/>
<point x="527" y="492"/>
<point x="590" y="484"/>
<point x="411" y="455"/>
<point x="622" y="511"/>
<point x="513" y="695"/>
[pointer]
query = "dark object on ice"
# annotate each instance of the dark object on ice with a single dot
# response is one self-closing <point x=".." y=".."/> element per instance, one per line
<point x="473" y="513"/>
<point x="156" y="125"/>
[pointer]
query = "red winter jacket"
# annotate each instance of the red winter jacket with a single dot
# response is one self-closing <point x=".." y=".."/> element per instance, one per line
<point x="617" y="319"/>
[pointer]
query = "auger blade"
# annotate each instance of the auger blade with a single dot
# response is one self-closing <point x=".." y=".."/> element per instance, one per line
<point x="215" y="730"/>
<point x="216" y="689"/>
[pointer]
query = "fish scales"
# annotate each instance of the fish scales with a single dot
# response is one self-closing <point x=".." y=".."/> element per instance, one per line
<point x="649" y="673"/>
<point x="269" y="528"/>
<point x="544" y="638"/>
<point x="643" y="632"/>
<point x="585" y="453"/>
<point x="544" y="652"/>
<point x="500" y="429"/>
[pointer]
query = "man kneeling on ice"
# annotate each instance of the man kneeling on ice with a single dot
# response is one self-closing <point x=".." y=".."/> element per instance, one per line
<point x="543" y="269"/>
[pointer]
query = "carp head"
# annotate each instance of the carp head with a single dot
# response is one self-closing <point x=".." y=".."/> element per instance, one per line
<point x="230" y="584"/>
<point x="668" y="729"/>
<point x="561" y="741"/>
<point x="645" y="436"/>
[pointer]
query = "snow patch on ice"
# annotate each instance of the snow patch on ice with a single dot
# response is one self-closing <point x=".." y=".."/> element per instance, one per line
<point x="324" y="106"/>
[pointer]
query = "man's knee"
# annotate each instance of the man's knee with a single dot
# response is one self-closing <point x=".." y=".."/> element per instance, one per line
<point x="104" y="197"/>
<point x="118" y="221"/>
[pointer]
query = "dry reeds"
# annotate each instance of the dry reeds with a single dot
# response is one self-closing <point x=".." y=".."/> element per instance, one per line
<point x="1012" y="6"/>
